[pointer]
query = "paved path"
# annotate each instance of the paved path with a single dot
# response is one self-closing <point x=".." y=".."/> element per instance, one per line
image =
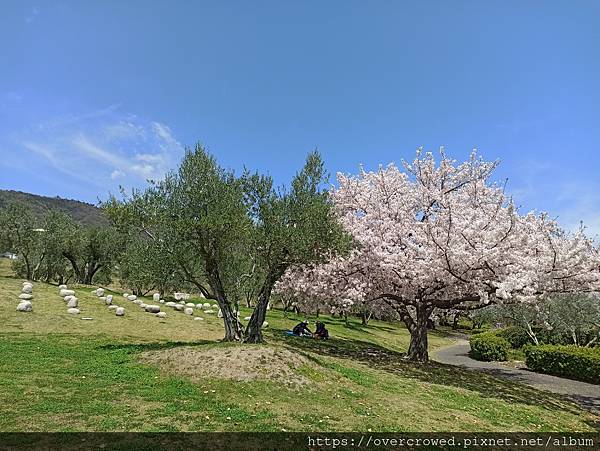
<point x="584" y="394"/>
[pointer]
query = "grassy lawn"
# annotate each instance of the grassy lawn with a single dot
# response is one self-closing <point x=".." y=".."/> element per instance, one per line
<point x="61" y="373"/>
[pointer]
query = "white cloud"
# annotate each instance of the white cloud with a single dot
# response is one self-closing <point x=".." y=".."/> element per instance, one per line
<point x="102" y="147"/>
<point x="117" y="174"/>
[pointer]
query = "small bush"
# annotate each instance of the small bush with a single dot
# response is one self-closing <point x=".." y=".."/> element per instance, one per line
<point x="582" y="364"/>
<point x="488" y="346"/>
<point x="516" y="336"/>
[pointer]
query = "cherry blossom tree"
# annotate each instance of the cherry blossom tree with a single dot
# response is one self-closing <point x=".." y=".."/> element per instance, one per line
<point x="443" y="236"/>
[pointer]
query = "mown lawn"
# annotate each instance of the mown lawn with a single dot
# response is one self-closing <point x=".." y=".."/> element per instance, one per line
<point x="61" y="373"/>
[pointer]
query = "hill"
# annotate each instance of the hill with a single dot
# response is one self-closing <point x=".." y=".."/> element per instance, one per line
<point x="81" y="212"/>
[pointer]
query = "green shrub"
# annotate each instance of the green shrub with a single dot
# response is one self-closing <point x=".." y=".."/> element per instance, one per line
<point x="488" y="346"/>
<point x="516" y="336"/>
<point x="573" y="362"/>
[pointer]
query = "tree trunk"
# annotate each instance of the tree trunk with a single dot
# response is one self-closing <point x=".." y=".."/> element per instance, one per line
<point x="365" y="317"/>
<point x="254" y="329"/>
<point x="532" y="334"/>
<point x="455" y="321"/>
<point x="417" y="350"/>
<point x="27" y="267"/>
<point x="230" y="321"/>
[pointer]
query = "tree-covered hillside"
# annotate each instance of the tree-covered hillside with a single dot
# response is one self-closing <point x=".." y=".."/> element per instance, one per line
<point x="81" y="212"/>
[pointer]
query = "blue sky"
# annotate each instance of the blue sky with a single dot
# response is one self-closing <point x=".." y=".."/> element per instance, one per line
<point x="94" y="94"/>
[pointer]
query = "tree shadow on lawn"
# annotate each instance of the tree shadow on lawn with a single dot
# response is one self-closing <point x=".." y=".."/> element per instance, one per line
<point x="143" y="347"/>
<point x="488" y="383"/>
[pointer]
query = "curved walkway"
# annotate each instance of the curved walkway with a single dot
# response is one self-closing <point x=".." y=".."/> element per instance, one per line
<point x="582" y="393"/>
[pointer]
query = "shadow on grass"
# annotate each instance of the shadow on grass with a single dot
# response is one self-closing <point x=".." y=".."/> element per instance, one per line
<point x="487" y="384"/>
<point x="142" y="347"/>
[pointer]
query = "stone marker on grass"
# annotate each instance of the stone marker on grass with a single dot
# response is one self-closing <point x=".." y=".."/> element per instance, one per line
<point x="120" y="311"/>
<point x="161" y="314"/>
<point x="73" y="302"/>
<point x="152" y="308"/>
<point x="73" y="311"/>
<point x="26" y="296"/>
<point x="156" y="297"/>
<point x="25" y="306"/>
<point x="189" y="311"/>
<point x="63" y="293"/>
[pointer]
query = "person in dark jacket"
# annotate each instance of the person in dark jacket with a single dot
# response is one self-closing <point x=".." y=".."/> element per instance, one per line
<point x="321" y="331"/>
<point x="302" y="329"/>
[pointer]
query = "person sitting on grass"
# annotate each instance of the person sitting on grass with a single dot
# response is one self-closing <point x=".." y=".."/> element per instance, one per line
<point x="302" y="329"/>
<point x="321" y="331"/>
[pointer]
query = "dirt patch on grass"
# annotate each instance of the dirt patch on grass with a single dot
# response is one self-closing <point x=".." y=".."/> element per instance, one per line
<point x="239" y="363"/>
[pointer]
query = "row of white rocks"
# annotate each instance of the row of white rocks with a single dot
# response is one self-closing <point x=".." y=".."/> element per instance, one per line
<point x="25" y="298"/>
<point x="188" y="308"/>
<point x="70" y="299"/>
<point x="108" y="301"/>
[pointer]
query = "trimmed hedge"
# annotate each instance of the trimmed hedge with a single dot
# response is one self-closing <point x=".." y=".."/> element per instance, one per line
<point x="488" y="346"/>
<point x="582" y="364"/>
<point x="516" y="336"/>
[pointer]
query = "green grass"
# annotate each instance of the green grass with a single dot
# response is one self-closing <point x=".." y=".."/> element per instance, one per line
<point x="59" y="373"/>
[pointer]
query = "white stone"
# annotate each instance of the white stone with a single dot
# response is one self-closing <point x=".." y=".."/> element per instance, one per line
<point x="206" y="305"/>
<point x="210" y="312"/>
<point x="27" y="289"/>
<point x="73" y="311"/>
<point x="247" y="318"/>
<point x="125" y="295"/>
<point x="109" y="297"/>
<point x="220" y="314"/>
<point x="178" y="307"/>
<point x="265" y="324"/>
<point x="95" y="292"/>
<point x="24" y="306"/>
<point x="132" y="297"/>
<point x="161" y="314"/>
<point x="64" y="293"/>
<point x="202" y="296"/>
<point x="108" y="300"/>
<point x="182" y="302"/>
<point x="162" y="301"/>
<point x="269" y="306"/>
<point x="62" y="287"/>
<point x="102" y="298"/>
<point x="152" y="308"/>
<point x="120" y="311"/>
<point x="156" y="297"/>
<point x="170" y="304"/>
<point x="25" y="296"/>
<point x="215" y="306"/>
<point x="190" y="304"/>
<point x="113" y="307"/>
<point x="73" y="303"/>
<point x="100" y="292"/>
<point x="198" y="318"/>
<point x="181" y="296"/>
<point x="137" y="301"/>
<point x="142" y="305"/>
<point x="189" y="311"/>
